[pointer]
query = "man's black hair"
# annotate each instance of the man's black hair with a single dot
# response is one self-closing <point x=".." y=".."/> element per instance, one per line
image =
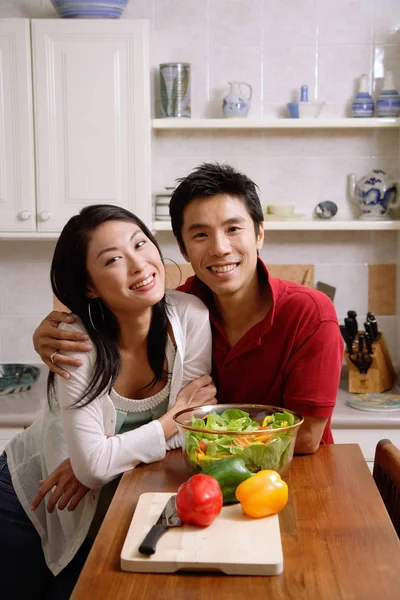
<point x="210" y="179"/>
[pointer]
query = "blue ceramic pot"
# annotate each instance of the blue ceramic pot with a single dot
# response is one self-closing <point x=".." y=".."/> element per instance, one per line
<point x="89" y="9"/>
<point x="363" y="105"/>
<point x="388" y="104"/>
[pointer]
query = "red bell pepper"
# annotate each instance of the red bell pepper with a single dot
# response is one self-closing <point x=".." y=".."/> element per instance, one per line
<point x="199" y="500"/>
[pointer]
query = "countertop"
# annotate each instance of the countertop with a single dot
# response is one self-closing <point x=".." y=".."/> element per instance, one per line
<point x="21" y="409"/>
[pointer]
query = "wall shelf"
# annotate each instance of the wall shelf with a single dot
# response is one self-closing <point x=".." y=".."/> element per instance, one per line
<point x="246" y="123"/>
<point x="312" y="225"/>
<point x="303" y="225"/>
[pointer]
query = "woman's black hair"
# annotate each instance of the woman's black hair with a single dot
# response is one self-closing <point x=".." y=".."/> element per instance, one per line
<point x="70" y="281"/>
<point x="210" y="179"/>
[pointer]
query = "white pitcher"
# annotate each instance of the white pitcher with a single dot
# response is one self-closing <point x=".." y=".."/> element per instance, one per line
<point x="237" y="102"/>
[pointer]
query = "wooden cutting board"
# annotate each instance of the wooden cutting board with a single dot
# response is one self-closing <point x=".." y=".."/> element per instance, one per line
<point x="233" y="544"/>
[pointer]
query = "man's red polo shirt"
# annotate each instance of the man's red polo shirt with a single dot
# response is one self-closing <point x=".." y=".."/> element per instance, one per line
<point x="292" y="358"/>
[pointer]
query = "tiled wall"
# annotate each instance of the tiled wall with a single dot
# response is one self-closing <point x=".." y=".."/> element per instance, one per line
<point x="276" y="46"/>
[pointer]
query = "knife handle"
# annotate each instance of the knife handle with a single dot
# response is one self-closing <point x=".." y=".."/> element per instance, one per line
<point x="148" y="546"/>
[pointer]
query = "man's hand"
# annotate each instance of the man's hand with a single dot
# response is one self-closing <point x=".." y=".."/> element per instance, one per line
<point x="68" y="493"/>
<point x="196" y="393"/>
<point x="48" y="340"/>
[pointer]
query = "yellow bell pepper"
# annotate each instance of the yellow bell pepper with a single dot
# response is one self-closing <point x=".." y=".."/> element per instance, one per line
<point x="262" y="495"/>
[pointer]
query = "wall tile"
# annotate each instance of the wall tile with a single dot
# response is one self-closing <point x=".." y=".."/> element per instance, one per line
<point x="387" y="325"/>
<point x="351" y="283"/>
<point x="28" y="9"/>
<point x="346" y="22"/>
<point x="139" y="9"/>
<point x="281" y="27"/>
<point x="16" y="333"/>
<point x="339" y="85"/>
<point x="237" y="23"/>
<point x="387" y="21"/>
<point x="286" y="70"/>
<point x="319" y="247"/>
<point x="183" y="20"/>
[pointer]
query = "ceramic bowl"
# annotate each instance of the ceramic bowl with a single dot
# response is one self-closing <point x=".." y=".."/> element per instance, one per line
<point x="281" y="210"/>
<point x="17" y="377"/>
<point x="293" y="108"/>
<point x="310" y="110"/>
<point x="260" y="449"/>
<point x="89" y="9"/>
<point x="326" y="209"/>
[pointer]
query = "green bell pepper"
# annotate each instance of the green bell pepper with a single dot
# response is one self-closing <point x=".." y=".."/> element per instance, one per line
<point x="229" y="472"/>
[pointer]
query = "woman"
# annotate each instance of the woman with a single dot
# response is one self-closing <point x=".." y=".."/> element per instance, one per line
<point x="115" y="411"/>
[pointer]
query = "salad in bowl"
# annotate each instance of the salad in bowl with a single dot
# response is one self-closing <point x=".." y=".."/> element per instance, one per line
<point x="263" y="436"/>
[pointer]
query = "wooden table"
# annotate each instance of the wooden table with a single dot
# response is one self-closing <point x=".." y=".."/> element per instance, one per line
<point x="338" y="541"/>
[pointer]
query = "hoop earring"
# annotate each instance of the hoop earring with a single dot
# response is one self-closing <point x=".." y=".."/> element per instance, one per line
<point x="179" y="269"/>
<point x="90" y="312"/>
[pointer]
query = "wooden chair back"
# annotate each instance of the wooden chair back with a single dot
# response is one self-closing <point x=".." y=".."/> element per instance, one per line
<point x="386" y="474"/>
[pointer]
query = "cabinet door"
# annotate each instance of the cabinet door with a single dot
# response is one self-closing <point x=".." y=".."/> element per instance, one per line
<point x="17" y="179"/>
<point x="92" y="117"/>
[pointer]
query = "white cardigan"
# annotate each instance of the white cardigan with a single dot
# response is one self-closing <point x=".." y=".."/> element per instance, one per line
<point x="86" y="434"/>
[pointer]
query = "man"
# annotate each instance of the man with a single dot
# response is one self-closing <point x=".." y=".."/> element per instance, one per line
<point x="274" y="342"/>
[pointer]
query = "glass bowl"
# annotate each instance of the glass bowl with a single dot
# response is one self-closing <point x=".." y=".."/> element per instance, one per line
<point x="268" y="448"/>
<point x="17" y="377"/>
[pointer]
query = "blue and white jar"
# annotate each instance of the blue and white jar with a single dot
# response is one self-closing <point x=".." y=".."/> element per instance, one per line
<point x="375" y="194"/>
<point x="362" y="105"/>
<point x="388" y="102"/>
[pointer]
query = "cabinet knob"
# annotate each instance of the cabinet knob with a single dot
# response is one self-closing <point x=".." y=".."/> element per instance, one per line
<point x="44" y="215"/>
<point x="24" y="215"/>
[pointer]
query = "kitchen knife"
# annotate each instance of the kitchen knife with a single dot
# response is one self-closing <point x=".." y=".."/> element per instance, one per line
<point x="347" y="338"/>
<point x="368" y="342"/>
<point x="373" y="327"/>
<point x="351" y="327"/>
<point x="353" y="316"/>
<point x="168" y="518"/>
<point x="361" y="339"/>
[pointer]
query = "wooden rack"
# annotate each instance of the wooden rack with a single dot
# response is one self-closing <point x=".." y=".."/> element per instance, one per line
<point x="380" y="376"/>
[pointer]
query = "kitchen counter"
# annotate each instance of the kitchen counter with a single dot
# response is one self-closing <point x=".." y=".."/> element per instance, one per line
<point x="346" y="417"/>
<point x="22" y="408"/>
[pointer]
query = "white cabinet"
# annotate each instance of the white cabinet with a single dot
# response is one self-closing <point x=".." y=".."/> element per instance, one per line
<point x="367" y="438"/>
<point x="6" y="434"/>
<point x="91" y="117"/>
<point x="17" y="164"/>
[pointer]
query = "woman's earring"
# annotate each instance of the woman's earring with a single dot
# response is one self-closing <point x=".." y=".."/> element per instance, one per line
<point x="180" y="273"/>
<point x="90" y="308"/>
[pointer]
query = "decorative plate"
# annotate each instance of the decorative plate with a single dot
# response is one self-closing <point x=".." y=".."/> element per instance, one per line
<point x="375" y="402"/>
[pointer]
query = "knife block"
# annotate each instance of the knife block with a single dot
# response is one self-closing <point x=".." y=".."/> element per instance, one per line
<point x="380" y="376"/>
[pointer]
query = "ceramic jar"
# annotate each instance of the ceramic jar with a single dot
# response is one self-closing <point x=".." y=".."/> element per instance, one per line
<point x="362" y="105"/>
<point x="375" y="194"/>
<point x="388" y="102"/>
<point x="238" y="101"/>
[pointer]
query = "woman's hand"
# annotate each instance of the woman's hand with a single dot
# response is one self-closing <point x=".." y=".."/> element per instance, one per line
<point x="68" y="493"/>
<point x="48" y="340"/>
<point x="198" y="392"/>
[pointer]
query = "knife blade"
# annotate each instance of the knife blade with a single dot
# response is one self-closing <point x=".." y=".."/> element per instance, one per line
<point x="168" y="518"/>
